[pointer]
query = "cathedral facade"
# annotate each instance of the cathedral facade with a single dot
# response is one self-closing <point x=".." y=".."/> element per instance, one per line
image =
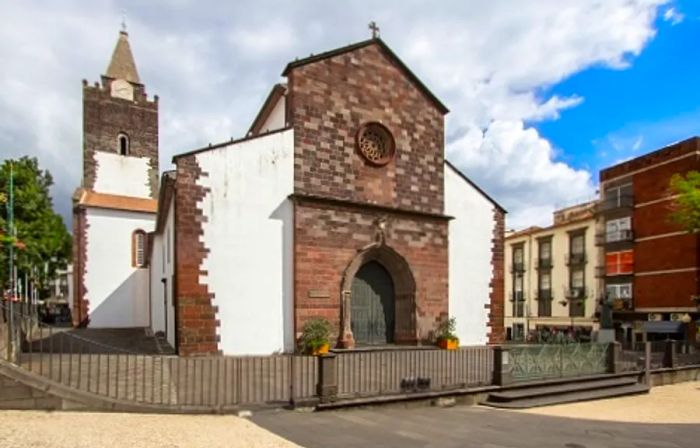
<point x="337" y="203"/>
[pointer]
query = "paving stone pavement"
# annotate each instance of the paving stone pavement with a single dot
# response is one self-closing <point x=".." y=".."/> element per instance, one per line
<point x="464" y="426"/>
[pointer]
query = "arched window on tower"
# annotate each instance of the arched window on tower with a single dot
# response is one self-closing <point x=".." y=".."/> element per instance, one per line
<point x="123" y="144"/>
<point x="139" y="243"/>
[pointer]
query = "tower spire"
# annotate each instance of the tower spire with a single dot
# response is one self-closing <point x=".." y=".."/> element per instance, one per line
<point x="122" y="65"/>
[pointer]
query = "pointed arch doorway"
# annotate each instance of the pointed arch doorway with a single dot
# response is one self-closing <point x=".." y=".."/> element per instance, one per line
<point x="378" y="299"/>
<point x="372" y="305"/>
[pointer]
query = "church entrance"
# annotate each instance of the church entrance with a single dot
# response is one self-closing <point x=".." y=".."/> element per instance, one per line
<point x="372" y="305"/>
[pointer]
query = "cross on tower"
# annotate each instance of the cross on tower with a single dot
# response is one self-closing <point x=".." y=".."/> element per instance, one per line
<point x="123" y="20"/>
<point x="375" y="29"/>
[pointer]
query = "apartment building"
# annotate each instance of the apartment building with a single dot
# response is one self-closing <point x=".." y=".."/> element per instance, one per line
<point x="550" y="277"/>
<point x="648" y="266"/>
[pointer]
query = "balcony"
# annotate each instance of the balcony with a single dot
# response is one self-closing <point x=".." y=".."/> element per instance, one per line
<point x="544" y="295"/>
<point x="517" y="296"/>
<point x="622" y="304"/>
<point x="543" y="263"/>
<point x="576" y="259"/>
<point x="517" y="267"/>
<point x="614" y="237"/>
<point x="615" y="203"/>
<point x="576" y="293"/>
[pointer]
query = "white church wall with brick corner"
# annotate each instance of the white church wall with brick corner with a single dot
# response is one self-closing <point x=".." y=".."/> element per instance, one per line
<point x="470" y="246"/>
<point x="248" y="231"/>
<point x="117" y="291"/>
<point x="120" y="175"/>
<point x="161" y="269"/>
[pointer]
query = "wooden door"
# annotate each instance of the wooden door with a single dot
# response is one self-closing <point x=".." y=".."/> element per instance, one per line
<point x="372" y="309"/>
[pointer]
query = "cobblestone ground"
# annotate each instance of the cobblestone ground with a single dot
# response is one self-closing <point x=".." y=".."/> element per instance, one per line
<point x="672" y="411"/>
<point x="677" y="403"/>
<point x="23" y="429"/>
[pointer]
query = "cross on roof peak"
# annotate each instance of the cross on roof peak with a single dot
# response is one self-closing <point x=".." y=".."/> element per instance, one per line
<point x="375" y="29"/>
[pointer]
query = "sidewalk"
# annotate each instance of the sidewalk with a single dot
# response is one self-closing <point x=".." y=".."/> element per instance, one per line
<point x="677" y="403"/>
<point x="23" y="429"/>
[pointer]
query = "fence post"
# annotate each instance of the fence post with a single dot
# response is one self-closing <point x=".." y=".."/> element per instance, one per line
<point x="670" y="353"/>
<point x="501" y="366"/>
<point x="614" y="355"/>
<point x="647" y="363"/>
<point x="327" y="387"/>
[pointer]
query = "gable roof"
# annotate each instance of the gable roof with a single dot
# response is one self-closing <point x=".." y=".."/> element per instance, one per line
<point x="278" y="91"/>
<point x="476" y="187"/>
<point x="385" y="48"/>
<point x="122" y="65"/>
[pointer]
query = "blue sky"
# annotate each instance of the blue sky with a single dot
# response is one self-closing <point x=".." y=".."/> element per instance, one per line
<point x="651" y="103"/>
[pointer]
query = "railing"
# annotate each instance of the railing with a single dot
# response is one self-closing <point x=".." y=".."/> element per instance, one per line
<point x="543" y="263"/>
<point x="614" y="203"/>
<point x="517" y="266"/>
<point x="576" y="292"/>
<point x="63" y="356"/>
<point x="373" y="373"/>
<point x="549" y="361"/>
<point x="576" y="258"/>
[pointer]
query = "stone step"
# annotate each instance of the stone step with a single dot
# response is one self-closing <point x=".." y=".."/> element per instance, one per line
<point x="561" y="388"/>
<point x="569" y="397"/>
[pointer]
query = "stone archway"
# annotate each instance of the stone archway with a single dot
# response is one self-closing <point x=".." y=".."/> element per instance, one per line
<point x="404" y="294"/>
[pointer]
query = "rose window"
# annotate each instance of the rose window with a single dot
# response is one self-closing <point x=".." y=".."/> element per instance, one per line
<point x="375" y="143"/>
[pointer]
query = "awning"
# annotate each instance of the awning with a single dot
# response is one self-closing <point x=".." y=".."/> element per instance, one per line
<point x="663" y="326"/>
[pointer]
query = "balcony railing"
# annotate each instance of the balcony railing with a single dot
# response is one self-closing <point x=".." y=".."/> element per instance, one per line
<point x="614" y="203"/>
<point x="544" y="295"/>
<point x="576" y="258"/>
<point x="622" y="304"/>
<point x="614" y="237"/>
<point x="576" y="293"/>
<point x="517" y="267"/>
<point x="544" y="263"/>
<point x="517" y="296"/>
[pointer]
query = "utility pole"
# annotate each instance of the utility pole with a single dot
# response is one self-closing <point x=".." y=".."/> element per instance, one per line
<point x="11" y="272"/>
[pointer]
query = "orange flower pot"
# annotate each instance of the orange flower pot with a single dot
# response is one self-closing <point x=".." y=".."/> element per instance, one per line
<point x="448" y="344"/>
<point x="322" y="350"/>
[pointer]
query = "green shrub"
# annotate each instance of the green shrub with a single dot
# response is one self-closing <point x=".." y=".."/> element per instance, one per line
<point x="315" y="334"/>
<point x="447" y="330"/>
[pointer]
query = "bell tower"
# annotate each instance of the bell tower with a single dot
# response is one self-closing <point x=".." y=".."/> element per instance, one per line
<point x="120" y="130"/>
<point x="115" y="206"/>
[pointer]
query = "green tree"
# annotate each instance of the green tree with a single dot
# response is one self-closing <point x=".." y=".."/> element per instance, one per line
<point x="42" y="242"/>
<point x="686" y="206"/>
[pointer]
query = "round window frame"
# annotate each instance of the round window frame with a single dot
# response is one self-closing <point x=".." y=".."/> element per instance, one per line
<point x="390" y="141"/>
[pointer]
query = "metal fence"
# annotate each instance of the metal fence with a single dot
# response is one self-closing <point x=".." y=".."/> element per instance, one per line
<point x="549" y="361"/>
<point x="373" y="373"/>
<point x="114" y="372"/>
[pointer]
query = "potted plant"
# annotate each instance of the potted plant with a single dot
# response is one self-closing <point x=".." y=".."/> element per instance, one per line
<point x="315" y="336"/>
<point x="446" y="337"/>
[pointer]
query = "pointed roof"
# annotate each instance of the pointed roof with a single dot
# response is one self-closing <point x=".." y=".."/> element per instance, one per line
<point x="122" y="65"/>
<point x="382" y="45"/>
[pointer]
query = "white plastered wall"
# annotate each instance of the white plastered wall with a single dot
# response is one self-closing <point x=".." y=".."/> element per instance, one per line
<point x="248" y="229"/>
<point x="276" y="119"/>
<point x="122" y="175"/>
<point x="162" y="268"/>
<point x="117" y="291"/>
<point x="470" y="246"/>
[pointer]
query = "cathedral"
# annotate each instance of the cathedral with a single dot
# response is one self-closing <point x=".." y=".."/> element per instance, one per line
<point x="338" y="203"/>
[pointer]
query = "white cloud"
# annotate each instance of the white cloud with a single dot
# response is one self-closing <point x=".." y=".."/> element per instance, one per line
<point x="212" y="63"/>
<point x="673" y="16"/>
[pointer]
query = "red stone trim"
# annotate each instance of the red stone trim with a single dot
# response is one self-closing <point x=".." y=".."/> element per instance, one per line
<point x="496" y="332"/>
<point x="196" y="322"/>
<point x="81" y="304"/>
<point x="311" y="199"/>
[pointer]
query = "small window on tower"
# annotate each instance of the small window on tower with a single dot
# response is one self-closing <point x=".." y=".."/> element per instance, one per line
<point x="123" y="142"/>
<point x="138" y="251"/>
